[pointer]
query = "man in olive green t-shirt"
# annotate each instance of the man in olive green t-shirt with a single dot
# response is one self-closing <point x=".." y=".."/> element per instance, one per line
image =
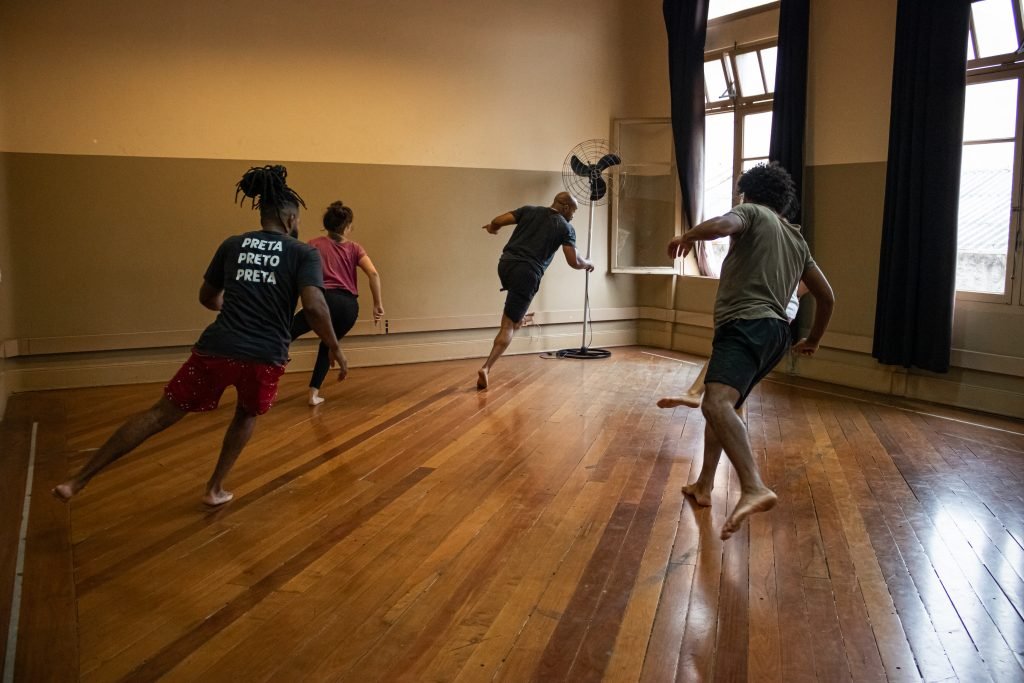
<point x="767" y="259"/>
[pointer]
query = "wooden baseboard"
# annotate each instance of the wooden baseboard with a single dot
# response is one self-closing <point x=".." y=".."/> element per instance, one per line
<point x="158" y="365"/>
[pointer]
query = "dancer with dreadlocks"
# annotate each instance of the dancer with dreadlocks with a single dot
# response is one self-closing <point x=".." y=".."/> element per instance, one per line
<point x="254" y="282"/>
<point x="767" y="258"/>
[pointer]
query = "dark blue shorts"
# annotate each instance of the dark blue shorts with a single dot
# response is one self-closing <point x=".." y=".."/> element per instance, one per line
<point x="744" y="351"/>
<point x="521" y="281"/>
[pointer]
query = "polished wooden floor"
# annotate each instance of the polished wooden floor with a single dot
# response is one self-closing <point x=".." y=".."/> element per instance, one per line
<point x="414" y="529"/>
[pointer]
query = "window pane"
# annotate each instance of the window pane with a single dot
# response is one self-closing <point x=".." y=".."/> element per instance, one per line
<point x="645" y="193"/>
<point x="719" y="8"/>
<point x="990" y="110"/>
<point x="768" y="57"/>
<point x="751" y="163"/>
<point x="750" y="74"/>
<point x="714" y="77"/>
<point x="718" y="155"/>
<point x="996" y="30"/>
<point x="757" y="134"/>
<point x="986" y="186"/>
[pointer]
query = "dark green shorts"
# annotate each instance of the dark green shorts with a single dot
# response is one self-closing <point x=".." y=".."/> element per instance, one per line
<point x="744" y="351"/>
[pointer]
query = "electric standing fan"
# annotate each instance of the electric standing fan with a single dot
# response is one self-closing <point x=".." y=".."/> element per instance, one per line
<point x="583" y="175"/>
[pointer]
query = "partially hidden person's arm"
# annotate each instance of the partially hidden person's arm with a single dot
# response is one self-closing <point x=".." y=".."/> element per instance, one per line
<point x="824" y="302"/>
<point x="378" y="305"/>
<point x="573" y="258"/>
<point x="500" y="222"/>
<point x="211" y="297"/>
<point x="711" y="229"/>
<point x="314" y="306"/>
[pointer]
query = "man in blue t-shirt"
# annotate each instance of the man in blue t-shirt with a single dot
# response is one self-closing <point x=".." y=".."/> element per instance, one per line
<point x="253" y="281"/>
<point x="540" y="231"/>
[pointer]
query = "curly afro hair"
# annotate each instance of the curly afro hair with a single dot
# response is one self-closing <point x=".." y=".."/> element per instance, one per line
<point x="770" y="185"/>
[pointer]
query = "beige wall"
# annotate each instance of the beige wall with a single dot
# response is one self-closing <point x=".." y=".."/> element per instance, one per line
<point x="134" y="120"/>
<point x="849" y="80"/>
<point x="481" y="83"/>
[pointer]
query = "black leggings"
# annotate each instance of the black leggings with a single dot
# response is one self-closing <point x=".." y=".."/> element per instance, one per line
<point x="344" y="308"/>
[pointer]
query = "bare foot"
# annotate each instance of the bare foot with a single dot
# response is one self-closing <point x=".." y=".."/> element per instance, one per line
<point x="481" y="378"/>
<point x="748" y="504"/>
<point x="527" y="320"/>
<point x="691" y="400"/>
<point x="217" y="498"/>
<point x="314" y="397"/>
<point x="700" y="495"/>
<point x="65" y="492"/>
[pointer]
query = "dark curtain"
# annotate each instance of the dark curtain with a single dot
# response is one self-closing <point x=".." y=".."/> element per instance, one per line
<point x="917" y="265"/>
<point x="686" y="22"/>
<point x="789" y="109"/>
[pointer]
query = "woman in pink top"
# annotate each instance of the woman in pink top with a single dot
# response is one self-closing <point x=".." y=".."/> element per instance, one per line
<point x="339" y="256"/>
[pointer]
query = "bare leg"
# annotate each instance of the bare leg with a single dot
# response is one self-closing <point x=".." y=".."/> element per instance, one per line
<point x="127" y="438"/>
<point x="692" y="396"/>
<point x="238" y="434"/>
<point x="717" y="407"/>
<point x="700" y="490"/>
<point x="501" y="342"/>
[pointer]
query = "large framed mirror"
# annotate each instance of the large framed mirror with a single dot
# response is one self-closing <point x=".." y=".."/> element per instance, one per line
<point x="644" y="206"/>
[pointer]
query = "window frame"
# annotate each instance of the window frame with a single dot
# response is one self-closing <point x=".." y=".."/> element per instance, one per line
<point x="741" y="106"/>
<point x="1007" y="66"/>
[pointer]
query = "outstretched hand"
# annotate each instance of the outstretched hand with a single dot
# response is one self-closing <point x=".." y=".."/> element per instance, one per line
<point x="339" y="358"/>
<point x="805" y="347"/>
<point x="679" y="247"/>
<point x="492" y="228"/>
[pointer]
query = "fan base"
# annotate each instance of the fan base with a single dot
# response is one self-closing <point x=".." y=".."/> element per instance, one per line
<point x="583" y="353"/>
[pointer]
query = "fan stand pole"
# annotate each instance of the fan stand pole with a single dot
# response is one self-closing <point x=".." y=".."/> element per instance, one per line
<point x="583" y="352"/>
<point x="586" y="280"/>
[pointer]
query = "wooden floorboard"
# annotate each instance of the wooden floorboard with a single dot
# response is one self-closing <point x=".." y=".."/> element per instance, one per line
<point x="412" y="528"/>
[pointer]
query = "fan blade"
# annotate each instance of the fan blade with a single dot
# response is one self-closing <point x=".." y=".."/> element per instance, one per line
<point x="608" y="160"/>
<point x="578" y="167"/>
<point x="598" y="188"/>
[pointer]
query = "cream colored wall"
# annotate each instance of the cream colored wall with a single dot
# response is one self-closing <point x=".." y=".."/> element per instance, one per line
<point x="471" y="83"/>
<point x="133" y="121"/>
<point x="849" y="81"/>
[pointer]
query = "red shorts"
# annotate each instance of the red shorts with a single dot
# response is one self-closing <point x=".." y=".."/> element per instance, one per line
<point x="199" y="383"/>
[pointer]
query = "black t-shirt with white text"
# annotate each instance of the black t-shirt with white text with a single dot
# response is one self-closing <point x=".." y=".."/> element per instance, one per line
<point x="262" y="274"/>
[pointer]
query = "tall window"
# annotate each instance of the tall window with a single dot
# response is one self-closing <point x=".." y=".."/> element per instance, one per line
<point x="720" y="8"/>
<point x="738" y="88"/>
<point x="989" y="228"/>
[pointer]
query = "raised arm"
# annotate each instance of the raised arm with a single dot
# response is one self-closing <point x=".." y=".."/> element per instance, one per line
<point x="712" y="229"/>
<point x="824" y="302"/>
<point x="500" y="222"/>
<point x="573" y="258"/>
<point x="211" y="297"/>
<point x="319" y="317"/>
<point x="378" y="306"/>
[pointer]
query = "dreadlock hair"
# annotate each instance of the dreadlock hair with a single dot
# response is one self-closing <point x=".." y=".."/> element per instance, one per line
<point x="266" y="187"/>
<point x="337" y="217"/>
<point x="770" y="185"/>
